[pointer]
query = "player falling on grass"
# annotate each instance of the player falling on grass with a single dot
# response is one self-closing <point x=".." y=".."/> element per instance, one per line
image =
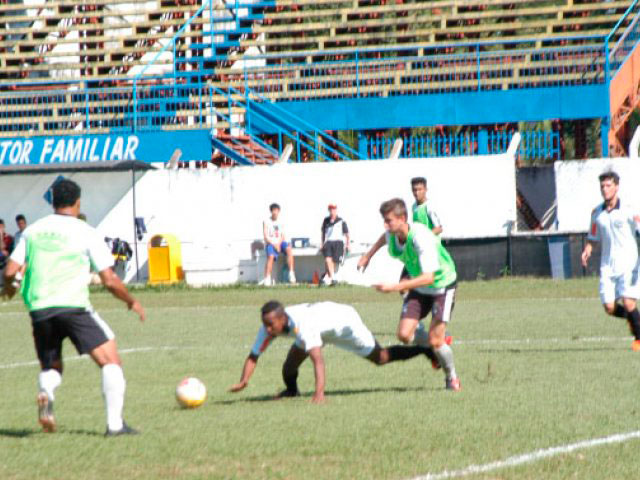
<point x="431" y="283"/>
<point x="614" y="225"/>
<point x="59" y="250"/>
<point x="314" y="325"/>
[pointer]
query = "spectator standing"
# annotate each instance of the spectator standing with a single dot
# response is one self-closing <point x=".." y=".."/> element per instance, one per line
<point x="335" y="242"/>
<point x="21" y="222"/>
<point x="275" y="242"/>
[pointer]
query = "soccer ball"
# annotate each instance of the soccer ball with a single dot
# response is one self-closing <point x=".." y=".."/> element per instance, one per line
<point x="191" y="393"/>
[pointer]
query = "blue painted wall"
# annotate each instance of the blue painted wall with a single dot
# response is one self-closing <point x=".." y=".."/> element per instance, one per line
<point x="144" y="146"/>
<point x="470" y="108"/>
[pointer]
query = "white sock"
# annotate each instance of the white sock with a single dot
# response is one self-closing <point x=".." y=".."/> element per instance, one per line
<point x="113" y="387"/>
<point x="445" y="357"/>
<point x="48" y="381"/>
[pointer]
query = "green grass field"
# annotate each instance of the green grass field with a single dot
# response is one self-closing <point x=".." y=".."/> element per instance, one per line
<point x="541" y="366"/>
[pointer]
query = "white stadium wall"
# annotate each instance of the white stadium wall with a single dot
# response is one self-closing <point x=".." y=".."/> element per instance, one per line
<point x="578" y="189"/>
<point x="224" y="208"/>
<point x="24" y="193"/>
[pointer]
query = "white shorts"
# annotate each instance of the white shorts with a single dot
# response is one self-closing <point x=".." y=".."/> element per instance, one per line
<point x="614" y="287"/>
<point x="353" y="337"/>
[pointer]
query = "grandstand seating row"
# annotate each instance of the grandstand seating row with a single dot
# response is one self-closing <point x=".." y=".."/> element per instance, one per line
<point x="67" y="40"/>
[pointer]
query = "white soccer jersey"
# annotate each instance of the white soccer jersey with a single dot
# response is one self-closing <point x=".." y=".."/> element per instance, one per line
<point x="60" y="251"/>
<point x="274" y="230"/>
<point x="616" y="231"/>
<point x="315" y="324"/>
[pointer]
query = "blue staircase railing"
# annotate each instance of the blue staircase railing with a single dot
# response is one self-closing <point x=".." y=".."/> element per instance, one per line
<point x="627" y="41"/>
<point x="260" y="115"/>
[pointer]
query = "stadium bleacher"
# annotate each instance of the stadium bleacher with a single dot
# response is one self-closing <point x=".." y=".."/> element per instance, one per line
<point x="68" y="67"/>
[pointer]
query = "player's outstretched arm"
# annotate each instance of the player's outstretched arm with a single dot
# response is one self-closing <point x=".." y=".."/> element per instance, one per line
<point x="318" y="367"/>
<point x="247" y="370"/>
<point x="10" y="284"/>
<point x="363" y="263"/>
<point x="113" y="283"/>
<point x="406" y="284"/>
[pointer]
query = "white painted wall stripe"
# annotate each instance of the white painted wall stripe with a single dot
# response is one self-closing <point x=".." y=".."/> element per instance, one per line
<point x="531" y="457"/>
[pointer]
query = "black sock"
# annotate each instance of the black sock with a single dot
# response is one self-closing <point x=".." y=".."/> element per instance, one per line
<point x="619" y="311"/>
<point x="291" y="381"/>
<point x="633" y="318"/>
<point x="405" y="352"/>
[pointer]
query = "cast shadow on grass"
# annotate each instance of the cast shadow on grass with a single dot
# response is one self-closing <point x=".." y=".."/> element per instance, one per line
<point x="27" y="432"/>
<point x="328" y="393"/>
<point x="18" y="432"/>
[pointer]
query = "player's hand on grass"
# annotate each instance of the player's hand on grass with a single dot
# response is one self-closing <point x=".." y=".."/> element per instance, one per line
<point x="318" y="398"/>
<point x="238" y="387"/>
<point x="137" y="308"/>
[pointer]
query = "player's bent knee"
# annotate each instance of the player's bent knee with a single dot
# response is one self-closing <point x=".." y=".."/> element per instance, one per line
<point x="405" y="337"/>
<point x="106" y="353"/>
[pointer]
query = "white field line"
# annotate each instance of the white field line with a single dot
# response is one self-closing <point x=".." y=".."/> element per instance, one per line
<point x="218" y="307"/>
<point x="81" y="357"/>
<point x="281" y="345"/>
<point x="531" y="457"/>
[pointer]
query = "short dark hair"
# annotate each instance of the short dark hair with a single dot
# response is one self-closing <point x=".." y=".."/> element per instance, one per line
<point x="610" y="175"/>
<point x="20" y="217"/>
<point x="395" y="205"/>
<point x="65" y="193"/>
<point x="1" y="222"/>
<point x="273" y="206"/>
<point x="418" y="181"/>
<point x="272" y="306"/>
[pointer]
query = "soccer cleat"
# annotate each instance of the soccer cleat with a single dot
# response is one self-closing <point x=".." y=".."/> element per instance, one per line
<point x="288" y="394"/>
<point x="635" y="346"/>
<point x="266" y="282"/>
<point x="125" y="430"/>
<point x="326" y="280"/>
<point x="453" y="384"/>
<point x="292" y="276"/>
<point x="45" y="413"/>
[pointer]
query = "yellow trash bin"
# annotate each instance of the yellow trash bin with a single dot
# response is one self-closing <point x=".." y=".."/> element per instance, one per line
<point x="165" y="259"/>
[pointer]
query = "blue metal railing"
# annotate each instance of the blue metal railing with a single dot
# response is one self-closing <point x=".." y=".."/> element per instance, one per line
<point x="341" y="150"/>
<point x="425" y="70"/>
<point x="534" y="146"/>
<point x="627" y="41"/>
<point x="310" y="143"/>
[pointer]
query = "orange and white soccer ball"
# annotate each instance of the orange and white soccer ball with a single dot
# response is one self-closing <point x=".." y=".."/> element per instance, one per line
<point x="191" y="393"/>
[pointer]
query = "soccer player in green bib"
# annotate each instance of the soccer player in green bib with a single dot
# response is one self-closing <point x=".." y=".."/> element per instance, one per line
<point x="421" y="212"/>
<point x="58" y="252"/>
<point x="431" y="283"/>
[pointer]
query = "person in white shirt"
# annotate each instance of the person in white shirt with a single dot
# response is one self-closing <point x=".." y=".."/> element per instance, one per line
<point x="275" y="243"/>
<point x="313" y="325"/>
<point x="614" y="225"/>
